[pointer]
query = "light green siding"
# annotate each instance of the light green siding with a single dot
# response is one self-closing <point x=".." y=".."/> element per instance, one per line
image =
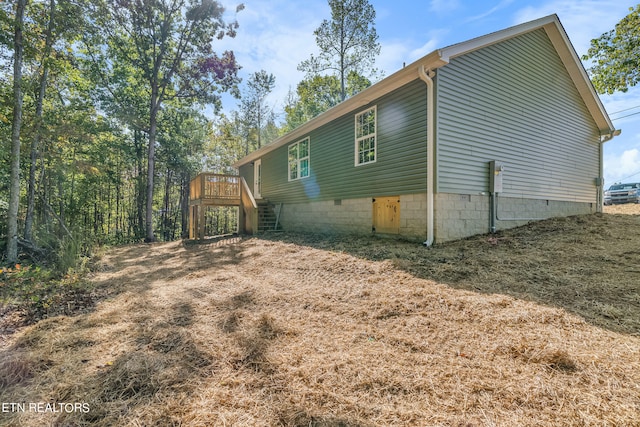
<point x="515" y="102"/>
<point x="399" y="168"/>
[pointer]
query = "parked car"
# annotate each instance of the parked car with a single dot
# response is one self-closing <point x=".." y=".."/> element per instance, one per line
<point x="622" y="193"/>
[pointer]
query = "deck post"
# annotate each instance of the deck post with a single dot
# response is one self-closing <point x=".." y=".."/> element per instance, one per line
<point x="210" y="189"/>
<point x="200" y="209"/>
<point x="191" y="222"/>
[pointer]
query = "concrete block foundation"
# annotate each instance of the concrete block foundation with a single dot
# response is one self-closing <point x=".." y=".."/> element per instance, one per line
<point x="456" y="215"/>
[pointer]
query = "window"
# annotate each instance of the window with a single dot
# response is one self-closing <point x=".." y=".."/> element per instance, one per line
<point x="299" y="160"/>
<point x="366" y="137"/>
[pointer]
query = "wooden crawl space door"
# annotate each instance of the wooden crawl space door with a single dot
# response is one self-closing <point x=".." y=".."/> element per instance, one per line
<point x="386" y="215"/>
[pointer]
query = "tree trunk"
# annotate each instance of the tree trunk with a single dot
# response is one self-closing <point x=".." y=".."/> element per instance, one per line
<point x="140" y="193"/>
<point x="14" y="187"/>
<point x="153" y="126"/>
<point x="184" y="205"/>
<point x="166" y="222"/>
<point x="28" y="223"/>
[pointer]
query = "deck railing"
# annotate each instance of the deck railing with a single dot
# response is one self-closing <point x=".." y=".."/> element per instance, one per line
<point x="214" y="186"/>
<point x="210" y="189"/>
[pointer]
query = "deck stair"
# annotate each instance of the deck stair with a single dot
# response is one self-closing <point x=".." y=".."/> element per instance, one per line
<point x="268" y="217"/>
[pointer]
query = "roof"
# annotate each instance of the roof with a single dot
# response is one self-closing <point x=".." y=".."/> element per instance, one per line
<point x="440" y="58"/>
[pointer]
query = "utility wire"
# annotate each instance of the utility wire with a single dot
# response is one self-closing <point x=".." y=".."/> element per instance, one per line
<point x="626" y="109"/>
<point x="630" y="176"/>
<point x="628" y="115"/>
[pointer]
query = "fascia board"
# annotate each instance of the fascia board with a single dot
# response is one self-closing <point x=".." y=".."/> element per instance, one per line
<point x="469" y="46"/>
<point x="579" y="75"/>
<point x="556" y="33"/>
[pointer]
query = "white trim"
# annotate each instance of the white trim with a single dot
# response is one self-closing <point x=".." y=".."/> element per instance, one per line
<point x="299" y="159"/>
<point x="373" y="135"/>
<point x="257" y="178"/>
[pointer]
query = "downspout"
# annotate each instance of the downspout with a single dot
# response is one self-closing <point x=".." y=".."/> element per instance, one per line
<point x="600" y="180"/>
<point x="427" y="78"/>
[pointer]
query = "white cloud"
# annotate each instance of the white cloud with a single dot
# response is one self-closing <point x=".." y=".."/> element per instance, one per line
<point x="442" y="7"/>
<point x="622" y="104"/>
<point x="395" y="54"/>
<point x="274" y="36"/>
<point x="583" y="20"/>
<point x="499" y="6"/>
<point x="622" y="167"/>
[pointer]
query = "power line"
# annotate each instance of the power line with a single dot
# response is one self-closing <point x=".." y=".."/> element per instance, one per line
<point x="630" y="176"/>
<point x="626" y="109"/>
<point x="628" y="115"/>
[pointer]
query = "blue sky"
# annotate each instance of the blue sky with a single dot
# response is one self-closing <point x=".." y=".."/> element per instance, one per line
<point x="276" y="35"/>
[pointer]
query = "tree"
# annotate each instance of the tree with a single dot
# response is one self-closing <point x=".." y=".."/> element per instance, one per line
<point x="14" y="189"/>
<point x="170" y="43"/>
<point x="316" y="95"/>
<point x="28" y="224"/>
<point x="616" y="55"/>
<point x="348" y="43"/>
<point x="253" y="105"/>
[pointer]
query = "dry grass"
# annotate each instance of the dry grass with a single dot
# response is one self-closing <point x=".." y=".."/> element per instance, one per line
<point x="538" y="326"/>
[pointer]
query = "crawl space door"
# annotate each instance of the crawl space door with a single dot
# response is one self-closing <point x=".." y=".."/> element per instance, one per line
<point x="386" y="215"/>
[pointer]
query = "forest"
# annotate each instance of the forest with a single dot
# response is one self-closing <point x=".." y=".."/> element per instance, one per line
<point x="109" y="108"/>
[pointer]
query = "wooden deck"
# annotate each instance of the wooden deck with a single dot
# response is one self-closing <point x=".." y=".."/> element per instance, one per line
<point x="210" y="189"/>
<point x="215" y="190"/>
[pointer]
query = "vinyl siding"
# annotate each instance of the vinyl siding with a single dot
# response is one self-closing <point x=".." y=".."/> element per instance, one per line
<point x="399" y="167"/>
<point x="515" y="102"/>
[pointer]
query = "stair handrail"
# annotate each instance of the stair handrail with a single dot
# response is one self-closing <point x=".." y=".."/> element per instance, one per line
<point x="247" y="191"/>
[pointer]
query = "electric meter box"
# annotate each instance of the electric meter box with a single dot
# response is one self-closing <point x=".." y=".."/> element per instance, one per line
<point x="496" y="170"/>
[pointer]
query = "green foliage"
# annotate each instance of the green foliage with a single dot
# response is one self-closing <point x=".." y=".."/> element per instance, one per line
<point x="91" y="161"/>
<point x="37" y="293"/>
<point x="317" y="94"/>
<point x="616" y="55"/>
<point x="348" y="42"/>
<point x="225" y="144"/>
<point x="254" y="109"/>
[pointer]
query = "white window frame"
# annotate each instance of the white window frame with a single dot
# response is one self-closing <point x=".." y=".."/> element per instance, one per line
<point x="299" y="160"/>
<point x="372" y="135"/>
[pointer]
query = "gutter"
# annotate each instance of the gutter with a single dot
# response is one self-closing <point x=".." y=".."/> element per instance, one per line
<point x="427" y="77"/>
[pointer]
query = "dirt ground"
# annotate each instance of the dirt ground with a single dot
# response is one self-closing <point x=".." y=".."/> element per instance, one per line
<point x="536" y="326"/>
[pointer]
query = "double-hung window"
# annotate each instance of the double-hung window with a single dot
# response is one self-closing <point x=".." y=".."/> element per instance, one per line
<point x="299" y="160"/>
<point x="366" y="137"/>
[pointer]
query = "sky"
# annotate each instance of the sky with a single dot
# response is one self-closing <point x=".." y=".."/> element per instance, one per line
<point x="276" y="35"/>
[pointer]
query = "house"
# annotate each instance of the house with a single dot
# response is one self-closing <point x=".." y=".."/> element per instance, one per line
<point x="479" y="136"/>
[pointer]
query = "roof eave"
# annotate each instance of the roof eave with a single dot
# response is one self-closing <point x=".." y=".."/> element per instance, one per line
<point x="579" y="75"/>
<point x="398" y="79"/>
<point x="558" y="36"/>
<point x="441" y="57"/>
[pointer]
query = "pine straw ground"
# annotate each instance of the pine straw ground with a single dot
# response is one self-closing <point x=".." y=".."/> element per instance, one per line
<point x="537" y="326"/>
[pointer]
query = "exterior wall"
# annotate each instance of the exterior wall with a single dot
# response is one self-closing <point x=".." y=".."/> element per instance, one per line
<point x="515" y="102"/>
<point x="399" y="168"/>
<point x="463" y="215"/>
<point x="353" y="216"/>
<point x="457" y="215"/>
